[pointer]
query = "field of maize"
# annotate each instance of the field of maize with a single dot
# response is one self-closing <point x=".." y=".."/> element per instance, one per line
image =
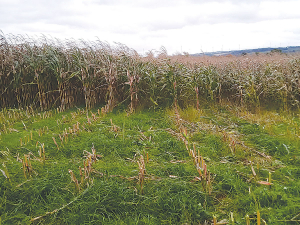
<point x="45" y="74"/>
<point x="96" y="134"/>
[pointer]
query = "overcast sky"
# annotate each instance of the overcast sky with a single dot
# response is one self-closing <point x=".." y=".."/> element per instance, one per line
<point x="178" y="25"/>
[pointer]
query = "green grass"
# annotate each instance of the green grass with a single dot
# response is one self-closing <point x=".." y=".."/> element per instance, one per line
<point x="170" y="195"/>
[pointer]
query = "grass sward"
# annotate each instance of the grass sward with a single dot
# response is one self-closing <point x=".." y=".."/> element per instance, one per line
<point x="129" y="168"/>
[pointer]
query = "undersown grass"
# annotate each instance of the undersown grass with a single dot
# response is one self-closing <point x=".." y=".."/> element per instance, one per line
<point x="137" y="168"/>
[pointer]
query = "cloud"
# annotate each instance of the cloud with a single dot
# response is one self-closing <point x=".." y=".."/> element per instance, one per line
<point x="149" y="24"/>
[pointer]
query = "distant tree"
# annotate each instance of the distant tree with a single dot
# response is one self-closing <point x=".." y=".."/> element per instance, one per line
<point x="244" y="53"/>
<point x="276" y="50"/>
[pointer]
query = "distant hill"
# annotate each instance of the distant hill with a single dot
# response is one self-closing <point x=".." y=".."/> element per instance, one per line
<point x="251" y="51"/>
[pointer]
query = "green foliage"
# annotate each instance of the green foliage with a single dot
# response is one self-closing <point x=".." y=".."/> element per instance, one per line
<point x="171" y="194"/>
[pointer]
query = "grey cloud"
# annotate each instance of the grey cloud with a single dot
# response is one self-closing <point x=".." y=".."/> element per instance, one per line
<point x="152" y="35"/>
<point x="124" y="30"/>
<point x="172" y="3"/>
<point x="236" y="2"/>
<point x="243" y="12"/>
<point x="142" y="3"/>
<point x="297" y="31"/>
<point x="47" y="12"/>
<point x="164" y="14"/>
<point x="233" y="15"/>
<point x="165" y="25"/>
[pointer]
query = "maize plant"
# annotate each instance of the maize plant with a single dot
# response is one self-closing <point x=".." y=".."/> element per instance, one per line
<point x="44" y="73"/>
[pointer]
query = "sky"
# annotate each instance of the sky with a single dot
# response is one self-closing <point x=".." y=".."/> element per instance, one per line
<point x="192" y="26"/>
